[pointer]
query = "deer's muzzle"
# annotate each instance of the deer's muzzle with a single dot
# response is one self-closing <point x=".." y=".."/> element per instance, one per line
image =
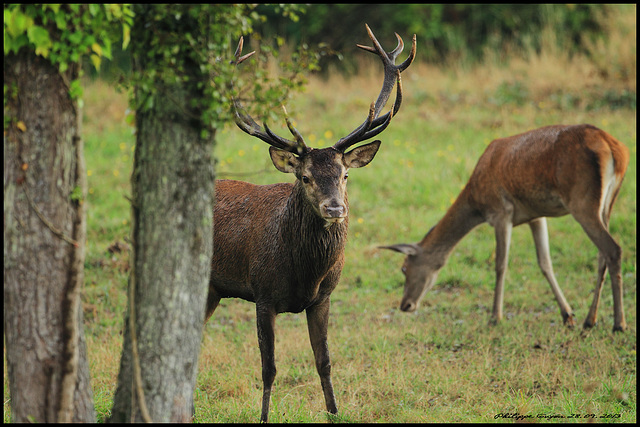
<point x="333" y="212"/>
<point x="408" y="306"/>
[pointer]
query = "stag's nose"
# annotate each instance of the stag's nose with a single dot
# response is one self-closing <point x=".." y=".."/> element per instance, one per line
<point x="333" y="211"/>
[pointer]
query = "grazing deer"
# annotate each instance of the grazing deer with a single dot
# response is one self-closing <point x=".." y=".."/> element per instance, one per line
<point x="281" y="246"/>
<point x="547" y="172"/>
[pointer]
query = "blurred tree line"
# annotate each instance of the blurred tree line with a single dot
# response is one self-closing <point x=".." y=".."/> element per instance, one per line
<point x="445" y="31"/>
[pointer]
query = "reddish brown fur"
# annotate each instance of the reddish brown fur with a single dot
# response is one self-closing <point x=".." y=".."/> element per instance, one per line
<point x="547" y="172"/>
<point x="263" y="254"/>
<point x="282" y="246"/>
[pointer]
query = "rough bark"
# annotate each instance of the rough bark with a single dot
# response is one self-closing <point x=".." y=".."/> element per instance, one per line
<point x="44" y="237"/>
<point x="172" y="234"/>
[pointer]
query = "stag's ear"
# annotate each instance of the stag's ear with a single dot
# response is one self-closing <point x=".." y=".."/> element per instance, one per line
<point x="405" y="248"/>
<point x="361" y="156"/>
<point x="284" y="161"/>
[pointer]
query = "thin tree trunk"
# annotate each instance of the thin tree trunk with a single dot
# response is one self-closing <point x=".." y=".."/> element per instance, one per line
<point x="172" y="235"/>
<point x="44" y="238"/>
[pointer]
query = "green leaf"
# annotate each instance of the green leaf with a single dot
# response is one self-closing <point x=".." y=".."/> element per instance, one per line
<point x="54" y="7"/>
<point x="40" y="38"/>
<point x="95" y="60"/>
<point x="61" y="21"/>
<point x="16" y="22"/>
<point x="106" y="48"/>
<point x="94" y="9"/>
<point x="97" y="49"/>
<point x="75" y="89"/>
<point x="126" y="36"/>
<point x="76" y="194"/>
<point x="75" y="37"/>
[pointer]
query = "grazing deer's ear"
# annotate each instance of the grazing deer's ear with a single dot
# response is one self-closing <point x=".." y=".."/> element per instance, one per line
<point x="284" y="161"/>
<point x="361" y="156"/>
<point x="405" y="248"/>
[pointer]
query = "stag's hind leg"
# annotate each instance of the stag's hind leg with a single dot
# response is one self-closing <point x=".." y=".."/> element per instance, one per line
<point x="317" y="322"/>
<point x="541" y="239"/>
<point x="609" y="257"/>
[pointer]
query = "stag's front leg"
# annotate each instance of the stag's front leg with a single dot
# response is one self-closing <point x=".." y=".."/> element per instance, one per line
<point x="266" y="318"/>
<point x="318" y="321"/>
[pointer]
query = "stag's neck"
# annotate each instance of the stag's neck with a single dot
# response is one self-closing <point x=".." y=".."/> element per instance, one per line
<point x="459" y="220"/>
<point x="314" y="239"/>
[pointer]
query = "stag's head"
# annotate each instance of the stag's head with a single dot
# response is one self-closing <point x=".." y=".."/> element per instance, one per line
<point x="322" y="173"/>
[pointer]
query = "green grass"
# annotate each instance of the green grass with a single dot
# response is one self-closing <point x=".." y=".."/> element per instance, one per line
<point x="443" y="363"/>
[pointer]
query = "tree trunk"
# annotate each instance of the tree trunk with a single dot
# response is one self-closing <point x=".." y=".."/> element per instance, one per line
<point x="172" y="234"/>
<point x="44" y="238"/>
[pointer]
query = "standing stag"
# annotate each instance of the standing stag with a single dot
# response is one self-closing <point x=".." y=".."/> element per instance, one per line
<point x="547" y="172"/>
<point x="281" y="246"/>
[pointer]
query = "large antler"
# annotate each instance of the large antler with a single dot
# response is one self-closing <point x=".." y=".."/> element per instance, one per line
<point x="247" y="124"/>
<point x="374" y="124"/>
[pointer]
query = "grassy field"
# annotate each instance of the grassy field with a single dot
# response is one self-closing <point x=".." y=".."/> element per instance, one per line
<point x="444" y="362"/>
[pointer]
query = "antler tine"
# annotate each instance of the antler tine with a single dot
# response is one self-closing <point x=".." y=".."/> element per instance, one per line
<point x="381" y="123"/>
<point x="411" y="57"/>
<point x="246" y="123"/>
<point x="388" y="61"/>
<point x="398" y="50"/>
<point x="357" y="132"/>
<point x="301" y="147"/>
<point x="377" y="47"/>
<point x="374" y="124"/>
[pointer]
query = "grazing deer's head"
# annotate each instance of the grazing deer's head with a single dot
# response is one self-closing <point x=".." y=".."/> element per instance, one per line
<point x="322" y="173"/>
<point x="420" y="269"/>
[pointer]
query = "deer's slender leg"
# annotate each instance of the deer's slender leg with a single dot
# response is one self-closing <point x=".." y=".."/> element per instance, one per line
<point x="592" y="316"/>
<point x="317" y="322"/>
<point x="266" y="317"/>
<point x="541" y="239"/>
<point x="609" y="257"/>
<point x="503" y="238"/>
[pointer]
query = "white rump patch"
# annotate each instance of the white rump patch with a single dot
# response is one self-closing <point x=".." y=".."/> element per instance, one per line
<point x="609" y="183"/>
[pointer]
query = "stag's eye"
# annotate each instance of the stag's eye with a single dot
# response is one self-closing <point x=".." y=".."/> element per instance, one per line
<point x="346" y="175"/>
<point x="404" y="270"/>
<point x="305" y="179"/>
